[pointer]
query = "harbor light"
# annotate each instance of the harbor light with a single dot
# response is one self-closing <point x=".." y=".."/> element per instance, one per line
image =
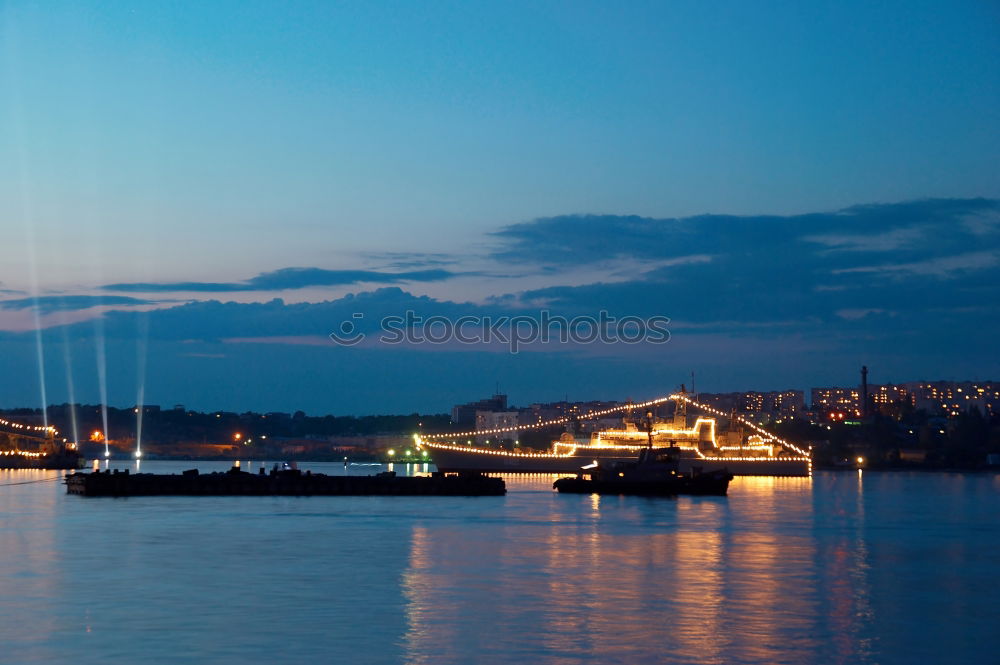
<point x="391" y="452"/>
<point x="861" y="460"/>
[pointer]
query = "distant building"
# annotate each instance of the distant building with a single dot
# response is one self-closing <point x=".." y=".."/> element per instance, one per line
<point x="489" y="421"/>
<point x="761" y="406"/>
<point x="955" y="397"/>
<point x="537" y="413"/>
<point x="465" y="414"/>
<point x="946" y="398"/>
<point x="836" y="403"/>
<point x="786" y="403"/>
<point x="885" y="397"/>
<point x="725" y="402"/>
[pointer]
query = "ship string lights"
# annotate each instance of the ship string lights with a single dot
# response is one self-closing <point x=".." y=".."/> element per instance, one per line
<point x="764" y="440"/>
<point x="767" y="436"/>
<point x="550" y="423"/>
<point x="572" y="452"/>
<point x="28" y="428"/>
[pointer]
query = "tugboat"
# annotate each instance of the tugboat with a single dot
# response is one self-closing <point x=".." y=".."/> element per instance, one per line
<point x="655" y="473"/>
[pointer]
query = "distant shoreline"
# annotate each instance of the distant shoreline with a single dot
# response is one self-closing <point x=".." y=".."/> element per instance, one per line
<point x="374" y="460"/>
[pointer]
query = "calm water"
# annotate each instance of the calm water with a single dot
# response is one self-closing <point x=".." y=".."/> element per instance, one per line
<point x="839" y="568"/>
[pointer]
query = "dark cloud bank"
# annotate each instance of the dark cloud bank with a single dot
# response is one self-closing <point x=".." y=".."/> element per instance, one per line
<point x="755" y="302"/>
<point x="49" y="304"/>
<point x="287" y="279"/>
<point x="919" y="259"/>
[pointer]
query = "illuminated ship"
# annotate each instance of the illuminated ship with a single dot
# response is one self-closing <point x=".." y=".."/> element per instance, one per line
<point x="745" y="449"/>
<point x="34" y="447"/>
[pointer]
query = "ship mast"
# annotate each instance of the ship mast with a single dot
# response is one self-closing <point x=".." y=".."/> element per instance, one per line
<point x="680" y="411"/>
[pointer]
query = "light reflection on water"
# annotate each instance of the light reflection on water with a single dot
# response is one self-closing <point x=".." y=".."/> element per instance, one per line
<point x="838" y="568"/>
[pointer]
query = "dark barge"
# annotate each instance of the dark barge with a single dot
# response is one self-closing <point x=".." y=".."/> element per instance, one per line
<point x="291" y="482"/>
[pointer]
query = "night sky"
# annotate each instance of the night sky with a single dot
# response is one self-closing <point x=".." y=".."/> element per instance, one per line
<point x="200" y="193"/>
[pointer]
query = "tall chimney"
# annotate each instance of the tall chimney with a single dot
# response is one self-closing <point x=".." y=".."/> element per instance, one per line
<point x="864" y="392"/>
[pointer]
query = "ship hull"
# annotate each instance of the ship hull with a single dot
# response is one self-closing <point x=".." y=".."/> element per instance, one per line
<point x="451" y="461"/>
<point x="57" y="461"/>
<point x="456" y="459"/>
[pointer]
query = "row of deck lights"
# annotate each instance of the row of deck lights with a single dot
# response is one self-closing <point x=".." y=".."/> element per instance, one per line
<point x="30" y="428"/>
<point x="550" y="423"/>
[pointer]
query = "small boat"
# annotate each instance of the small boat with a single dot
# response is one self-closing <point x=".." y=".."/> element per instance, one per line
<point x="654" y="473"/>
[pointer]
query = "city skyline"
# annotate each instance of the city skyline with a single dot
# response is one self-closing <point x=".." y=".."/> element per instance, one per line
<point x="938" y="397"/>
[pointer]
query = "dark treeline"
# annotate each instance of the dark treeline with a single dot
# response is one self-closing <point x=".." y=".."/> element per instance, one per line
<point x="178" y="425"/>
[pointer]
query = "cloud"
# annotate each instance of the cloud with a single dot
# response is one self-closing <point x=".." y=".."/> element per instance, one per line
<point x="876" y="242"/>
<point x="288" y="279"/>
<point x="811" y="273"/>
<point x="412" y="260"/>
<point x="212" y="320"/>
<point x="49" y="304"/>
<point x="9" y="292"/>
<point x="911" y="231"/>
<point x="818" y="273"/>
<point x="942" y="266"/>
<point x="852" y="314"/>
<point x="192" y="358"/>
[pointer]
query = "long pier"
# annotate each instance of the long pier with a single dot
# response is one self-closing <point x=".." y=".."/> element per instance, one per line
<point x="279" y="483"/>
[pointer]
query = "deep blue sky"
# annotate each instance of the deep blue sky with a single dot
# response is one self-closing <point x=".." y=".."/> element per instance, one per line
<point x="704" y="161"/>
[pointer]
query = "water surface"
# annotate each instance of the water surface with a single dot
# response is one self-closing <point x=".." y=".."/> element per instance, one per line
<point x="837" y="568"/>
